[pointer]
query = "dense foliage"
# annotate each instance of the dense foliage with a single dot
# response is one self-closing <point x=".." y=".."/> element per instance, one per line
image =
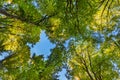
<point x="91" y="28"/>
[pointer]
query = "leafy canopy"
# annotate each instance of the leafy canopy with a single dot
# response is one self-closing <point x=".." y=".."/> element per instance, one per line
<point x="91" y="28"/>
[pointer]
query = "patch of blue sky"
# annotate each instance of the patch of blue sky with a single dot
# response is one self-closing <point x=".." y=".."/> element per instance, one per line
<point x="3" y="55"/>
<point x="62" y="75"/>
<point x="42" y="47"/>
<point x="35" y="4"/>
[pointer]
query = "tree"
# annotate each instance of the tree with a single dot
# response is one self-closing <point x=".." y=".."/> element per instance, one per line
<point x="91" y="27"/>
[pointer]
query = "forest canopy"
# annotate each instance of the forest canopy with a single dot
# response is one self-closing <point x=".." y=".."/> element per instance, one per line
<point x="91" y="28"/>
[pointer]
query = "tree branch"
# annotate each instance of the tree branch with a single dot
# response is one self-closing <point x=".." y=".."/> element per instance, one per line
<point x="86" y="68"/>
<point x="90" y="63"/>
<point x="37" y="23"/>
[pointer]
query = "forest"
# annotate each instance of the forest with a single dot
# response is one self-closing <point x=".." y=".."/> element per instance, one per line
<point x="89" y="28"/>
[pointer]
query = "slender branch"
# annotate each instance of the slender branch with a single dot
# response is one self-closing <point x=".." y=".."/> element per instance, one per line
<point x="99" y="72"/>
<point x="86" y="68"/>
<point x="90" y="62"/>
<point x="105" y="7"/>
<point x="118" y="1"/>
<point x="4" y="12"/>
<point x="102" y="2"/>
<point x="77" y="19"/>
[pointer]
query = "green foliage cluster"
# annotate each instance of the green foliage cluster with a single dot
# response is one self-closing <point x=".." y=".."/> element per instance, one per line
<point x="91" y="27"/>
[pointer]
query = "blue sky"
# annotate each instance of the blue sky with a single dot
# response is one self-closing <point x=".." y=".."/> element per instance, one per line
<point x="43" y="47"/>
